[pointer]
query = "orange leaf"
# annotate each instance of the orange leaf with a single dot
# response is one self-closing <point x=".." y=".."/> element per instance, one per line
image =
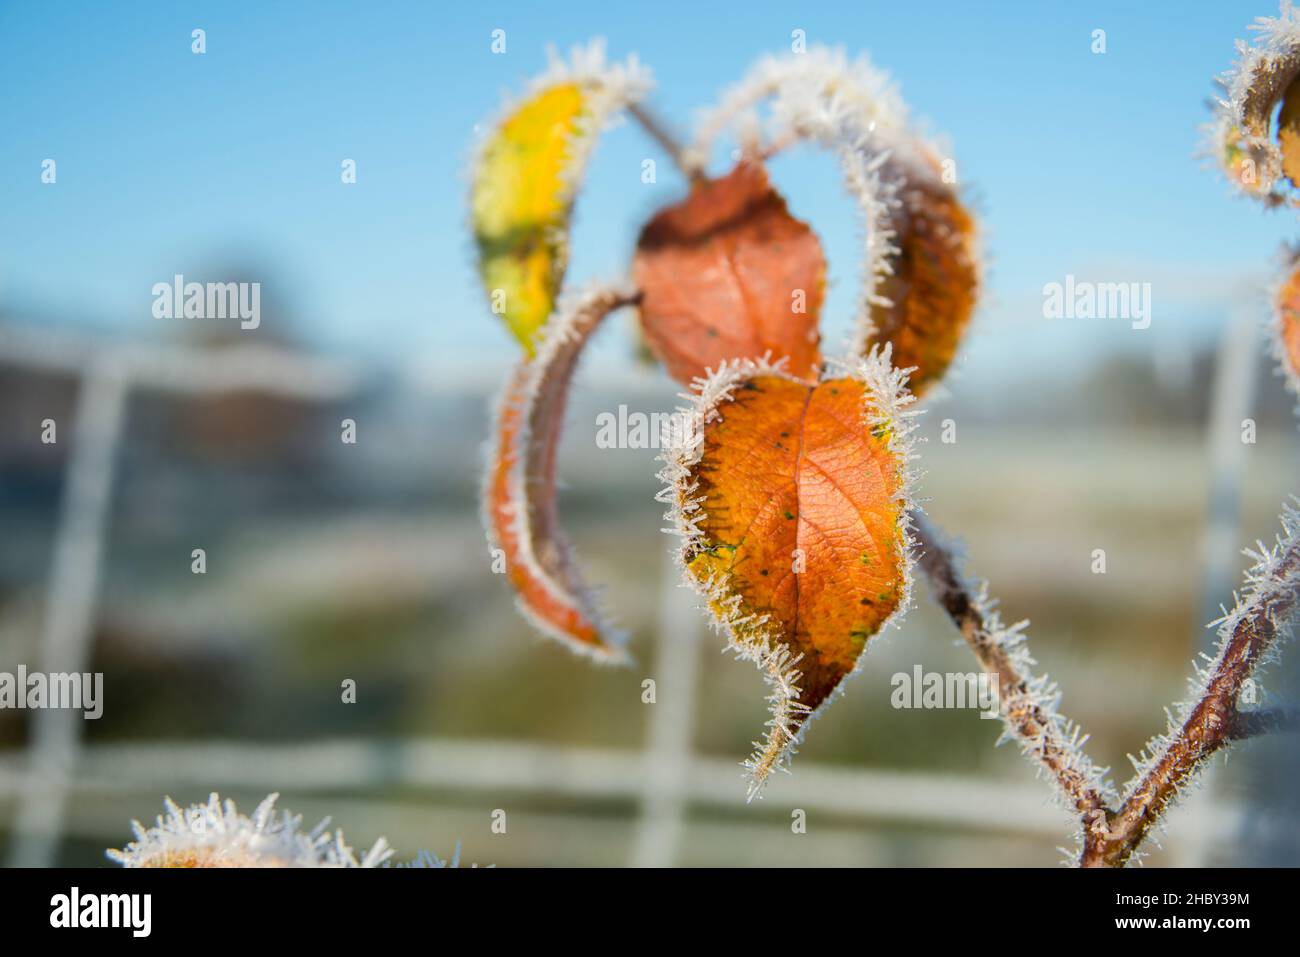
<point x="932" y="284"/>
<point x="519" y="506"/>
<point x="1242" y="134"/>
<point x="728" y="273"/>
<point x="921" y="268"/>
<point x="1288" y="132"/>
<point x="1288" y="325"/>
<point x="792" y="504"/>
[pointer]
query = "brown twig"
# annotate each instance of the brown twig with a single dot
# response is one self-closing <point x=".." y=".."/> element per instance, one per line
<point x="1212" y="720"/>
<point x="658" y="132"/>
<point x="1027" y="703"/>
<point x="1248" y="634"/>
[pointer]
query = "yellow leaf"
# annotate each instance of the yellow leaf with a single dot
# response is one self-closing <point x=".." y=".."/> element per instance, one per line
<point x="520" y="205"/>
<point x="526" y="178"/>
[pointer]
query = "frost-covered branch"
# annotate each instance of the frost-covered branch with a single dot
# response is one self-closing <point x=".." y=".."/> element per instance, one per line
<point x="1208" y="721"/>
<point x="1248" y="637"/>
<point x="1027" y="702"/>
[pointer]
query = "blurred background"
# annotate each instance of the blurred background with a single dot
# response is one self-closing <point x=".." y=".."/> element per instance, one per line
<point x="328" y="561"/>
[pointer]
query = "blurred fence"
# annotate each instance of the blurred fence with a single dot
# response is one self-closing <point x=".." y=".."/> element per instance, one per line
<point x="665" y="779"/>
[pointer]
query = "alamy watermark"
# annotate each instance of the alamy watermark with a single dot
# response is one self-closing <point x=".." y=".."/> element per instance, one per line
<point x="74" y="909"/>
<point x="644" y="430"/>
<point x="179" y="299"/>
<point x="953" y="689"/>
<point x="58" y="690"/>
<point x="1098" y="300"/>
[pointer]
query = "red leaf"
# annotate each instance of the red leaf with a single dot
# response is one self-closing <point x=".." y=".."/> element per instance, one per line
<point x="729" y="274"/>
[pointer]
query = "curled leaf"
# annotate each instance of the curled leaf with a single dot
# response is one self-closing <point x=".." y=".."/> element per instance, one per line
<point x="921" y="264"/>
<point x="924" y="303"/>
<point x="520" y="509"/>
<point x="792" y="501"/>
<point x="728" y="273"/>
<point x="525" y="179"/>
<point x="1255" y="159"/>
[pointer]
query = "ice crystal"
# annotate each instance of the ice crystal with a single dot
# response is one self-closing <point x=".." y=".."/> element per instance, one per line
<point x="215" y="834"/>
<point x="427" y="859"/>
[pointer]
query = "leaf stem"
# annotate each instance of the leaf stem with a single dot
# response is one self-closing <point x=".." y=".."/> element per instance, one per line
<point x="658" y="131"/>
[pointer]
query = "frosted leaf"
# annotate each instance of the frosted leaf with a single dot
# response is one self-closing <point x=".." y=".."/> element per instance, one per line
<point x="1241" y="137"/>
<point x="921" y="260"/>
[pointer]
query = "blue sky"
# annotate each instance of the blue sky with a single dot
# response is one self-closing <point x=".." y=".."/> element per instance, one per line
<point x="171" y="162"/>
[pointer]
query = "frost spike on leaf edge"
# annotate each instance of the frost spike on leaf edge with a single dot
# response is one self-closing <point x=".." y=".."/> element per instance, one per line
<point x="519" y="506"/>
<point x="886" y="401"/>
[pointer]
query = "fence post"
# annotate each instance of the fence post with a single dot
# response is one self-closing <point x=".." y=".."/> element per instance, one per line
<point x="1232" y="397"/>
<point x="70" y="603"/>
<point x="672" y="723"/>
